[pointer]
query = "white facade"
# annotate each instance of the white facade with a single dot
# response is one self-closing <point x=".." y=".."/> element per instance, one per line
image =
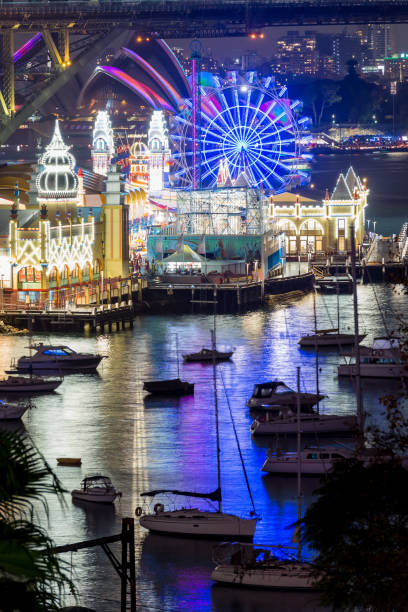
<point x="102" y="143"/>
<point x="159" y="152"/>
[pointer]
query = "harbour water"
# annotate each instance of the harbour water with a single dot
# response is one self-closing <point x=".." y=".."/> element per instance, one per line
<point x="142" y="443"/>
<point x="147" y="443"/>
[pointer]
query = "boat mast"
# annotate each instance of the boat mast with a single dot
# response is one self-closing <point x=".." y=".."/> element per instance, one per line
<point x="316" y="345"/>
<point x="360" y="411"/>
<point x="217" y="429"/>
<point x="338" y="306"/>
<point x="299" y="470"/>
<point x="177" y="354"/>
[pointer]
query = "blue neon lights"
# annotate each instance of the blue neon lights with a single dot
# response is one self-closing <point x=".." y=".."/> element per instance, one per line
<point x="251" y="130"/>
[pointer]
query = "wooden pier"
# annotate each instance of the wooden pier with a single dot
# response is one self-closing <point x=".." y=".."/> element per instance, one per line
<point x="225" y="298"/>
<point x="111" y="317"/>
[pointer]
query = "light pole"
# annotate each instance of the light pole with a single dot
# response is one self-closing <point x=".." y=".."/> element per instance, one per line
<point x="374" y="222"/>
<point x="2" y="292"/>
<point x="368" y="226"/>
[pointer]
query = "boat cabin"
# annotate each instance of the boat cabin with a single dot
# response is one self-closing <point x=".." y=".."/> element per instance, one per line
<point x="265" y="390"/>
<point x="96" y="482"/>
<point x="53" y="350"/>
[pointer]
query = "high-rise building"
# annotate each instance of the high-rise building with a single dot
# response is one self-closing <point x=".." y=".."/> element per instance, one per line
<point x="297" y="53"/>
<point x="345" y="47"/>
<point x="379" y="41"/>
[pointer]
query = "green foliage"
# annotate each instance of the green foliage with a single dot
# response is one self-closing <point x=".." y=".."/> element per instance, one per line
<point x="31" y="575"/>
<point x="359" y="526"/>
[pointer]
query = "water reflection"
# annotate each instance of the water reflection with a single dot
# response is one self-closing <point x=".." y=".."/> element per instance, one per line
<point x="144" y="442"/>
<point x="251" y="600"/>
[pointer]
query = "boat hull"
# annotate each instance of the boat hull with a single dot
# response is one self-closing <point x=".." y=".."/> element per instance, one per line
<point x="330" y="424"/>
<point x="307" y="400"/>
<point x="40" y="387"/>
<point x="12" y="412"/>
<point x="336" y="340"/>
<point x="293" y="577"/>
<point x="207" y="359"/>
<point x="25" y="364"/>
<point x="94" y="497"/>
<point x="174" y="387"/>
<point x="200" y="525"/>
<point x="283" y="465"/>
<point x="368" y="370"/>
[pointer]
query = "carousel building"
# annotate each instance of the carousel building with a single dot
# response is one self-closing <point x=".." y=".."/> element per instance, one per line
<point x="65" y="242"/>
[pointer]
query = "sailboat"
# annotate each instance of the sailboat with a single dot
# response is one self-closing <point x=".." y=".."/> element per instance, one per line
<point x="173" y="386"/>
<point x="258" y="566"/>
<point x="328" y="337"/>
<point x="195" y="522"/>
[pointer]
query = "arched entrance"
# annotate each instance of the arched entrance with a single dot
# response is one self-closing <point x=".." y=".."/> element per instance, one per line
<point x="289" y="227"/>
<point x="311" y="236"/>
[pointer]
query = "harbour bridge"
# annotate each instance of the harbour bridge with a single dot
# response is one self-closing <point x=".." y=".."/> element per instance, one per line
<point x="96" y="24"/>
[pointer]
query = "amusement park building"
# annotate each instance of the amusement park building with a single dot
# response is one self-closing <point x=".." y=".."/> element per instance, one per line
<point x="314" y="225"/>
<point x="61" y="241"/>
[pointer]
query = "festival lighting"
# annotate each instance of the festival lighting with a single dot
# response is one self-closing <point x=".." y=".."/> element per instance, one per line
<point x="245" y="126"/>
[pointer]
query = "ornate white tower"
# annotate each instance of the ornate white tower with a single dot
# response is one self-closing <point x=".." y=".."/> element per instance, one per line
<point x="57" y="181"/>
<point x="159" y="152"/>
<point x="102" y="143"/>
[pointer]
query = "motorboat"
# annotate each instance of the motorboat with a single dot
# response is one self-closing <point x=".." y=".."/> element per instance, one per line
<point x="198" y="523"/>
<point x="286" y="422"/>
<point x="174" y="386"/>
<point x="258" y="566"/>
<point x="208" y="355"/>
<point x="96" y="488"/>
<point x="28" y="384"/>
<point x="313" y="460"/>
<point x="57" y="357"/>
<point x="12" y="411"/>
<point x="277" y="393"/>
<point x="195" y="522"/>
<point x="328" y="337"/>
<point x="382" y="360"/>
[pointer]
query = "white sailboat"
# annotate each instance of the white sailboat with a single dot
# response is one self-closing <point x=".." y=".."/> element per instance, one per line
<point x="257" y="566"/>
<point x="194" y="522"/>
<point x="285" y="422"/>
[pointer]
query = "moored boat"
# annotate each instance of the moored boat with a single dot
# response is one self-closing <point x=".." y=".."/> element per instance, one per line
<point x="96" y="488"/>
<point x="286" y="422"/>
<point x="57" y="357"/>
<point x="174" y="386"/>
<point x="69" y="461"/>
<point x="28" y="384"/>
<point x="313" y="460"/>
<point x="277" y="393"/>
<point x="208" y="355"/>
<point x="382" y="360"/>
<point x="328" y="337"/>
<point x="257" y="566"/>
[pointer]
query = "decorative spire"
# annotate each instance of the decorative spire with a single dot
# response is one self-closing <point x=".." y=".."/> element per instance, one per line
<point x="57" y="180"/>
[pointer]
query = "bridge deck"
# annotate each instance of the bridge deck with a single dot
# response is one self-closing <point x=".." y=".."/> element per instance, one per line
<point x="204" y="18"/>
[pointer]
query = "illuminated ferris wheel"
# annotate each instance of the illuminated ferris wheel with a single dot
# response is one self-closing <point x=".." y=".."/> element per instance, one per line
<point x="248" y="133"/>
